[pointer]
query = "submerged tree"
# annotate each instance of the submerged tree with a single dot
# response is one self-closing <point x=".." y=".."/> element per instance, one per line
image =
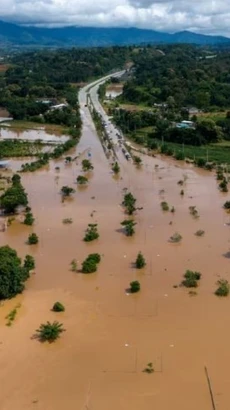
<point x="50" y="331"/>
<point x="140" y="261"/>
<point x="116" y="168"/>
<point x="129" y="227"/>
<point x="91" y="233"/>
<point x="90" y="263"/>
<point x="81" y="180"/>
<point x="33" y="239"/>
<point x="14" y="196"/>
<point x="129" y="203"/>
<point x="86" y="165"/>
<point x="29" y="219"/>
<point x="135" y="286"/>
<point x="67" y="191"/>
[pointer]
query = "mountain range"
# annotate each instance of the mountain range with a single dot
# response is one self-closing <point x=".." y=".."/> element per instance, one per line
<point x="19" y="35"/>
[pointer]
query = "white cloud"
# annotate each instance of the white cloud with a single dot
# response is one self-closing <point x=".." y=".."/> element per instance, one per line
<point x="206" y="16"/>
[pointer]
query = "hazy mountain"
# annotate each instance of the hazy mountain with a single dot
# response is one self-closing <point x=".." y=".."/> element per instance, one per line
<point x="13" y="34"/>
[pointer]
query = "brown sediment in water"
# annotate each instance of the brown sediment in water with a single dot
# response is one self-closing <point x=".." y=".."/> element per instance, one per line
<point x="110" y="335"/>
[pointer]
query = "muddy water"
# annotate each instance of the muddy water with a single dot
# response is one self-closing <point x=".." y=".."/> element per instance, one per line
<point x="111" y="336"/>
<point x="32" y="135"/>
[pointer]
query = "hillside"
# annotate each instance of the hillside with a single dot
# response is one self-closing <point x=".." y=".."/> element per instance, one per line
<point x="15" y="35"/>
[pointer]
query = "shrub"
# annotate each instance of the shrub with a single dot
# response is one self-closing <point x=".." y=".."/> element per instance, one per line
<point x="73" y="264"/>
<point x="175" y="238"/>
<point x="33" y="239"/>
<point x="180" y="156"/>
<point x="223" y="186"/>
<point x="116" y="168"/>
<point x="140" y="261"/>
<point x="200" y="162"/>
<point x="129" y="203"/>
<point x="91" y="233"/>
<point x="86" y="165"/>
<point x="129" y="227"/>
<point x="58" y="307"/>
<point x="164" y="206"/>
<point x="67" y="221"/>
<point x="149" y="368"/>
<point x="67" y="191"/>
<point x="193" y="211"/>
<point x="29" y="219"/>
<point x="223" y="288"/>
<point x="12" y="273"/>
<point x="137" y="160"/>
<point x="81" y="180"/>
<point x="191" y="279"/>
<point x="29" y="262"/>
<point x="135" y="286"/>
<point x="50" y="331"/>
<point x="200" y="232"/>
<point x="227" y="205"/>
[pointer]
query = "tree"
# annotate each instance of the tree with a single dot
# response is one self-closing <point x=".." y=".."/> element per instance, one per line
<point x="12" y="273"/>
<point x="58" y="307"/>
<point x="86" y="165"/>
<point x="191" y="279"/>
<point x="137" y="160"/>
<point x="116" y="168"/>
<point x="50" y="331"/>
<point x="29" y="262"/>
<point x="223" y="288"/>
<point x="67" y="191"/>
<point x="81" y="180"/>
<point x="227" y="205"/>
<point x="90" y="263"/>
<point x="135" y="286"/>
<point x="29" y="219"/>
<point x="140" y="261"/>
<point x="129" y="227"/>
<point x="33" y="239"/>
<point x="91" y="233"/>
<point x="13" y="197"/>
<point x="129" y="203"/>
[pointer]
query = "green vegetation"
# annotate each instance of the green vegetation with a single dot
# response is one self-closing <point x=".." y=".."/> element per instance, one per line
<point x="66" y="191"/>
<point x="90" y="263"/>
<point x="86" y="165"/>
<point x="129" y="227"/>
<point x="12" y="273"/>
<point x="116" y="168"/>
<point x="12" y="315"/>
<point x="137" y="160"/>
<point x="140" y="261"/>
<point x="191" y="279"/>
<point x="149" y="368"/>
<point x="29" y="219"/>
<point x="135" y="286"/>
<point x="227" y="205"/>
<point x="81" y="180"/>
<point x="58" y="307"/>
<point x="175" y="238"/>
<point x="33" y="239"/>
<point x="200" y="232"/>
<point x="29" y="262"/>
<point x="223" y="185"/>
<point x="18" y="148"/>
<point x="73" y="265"/>
<point x="14" y="196"/>
<point x="164" y="206"/>
<point x="193" y="211"/>
<point x="67" y="221"/>
<point x="223" y="288"/>
<point x="91" y="233"/>
<point x="129" y="203"/>
<point x="49" y="332"/>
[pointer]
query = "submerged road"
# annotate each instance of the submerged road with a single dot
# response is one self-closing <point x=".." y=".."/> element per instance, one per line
<point x="88" y="125"/>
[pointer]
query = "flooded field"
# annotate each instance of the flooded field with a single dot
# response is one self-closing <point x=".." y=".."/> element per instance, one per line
<point x="32" y="135"/>
<point x="111" y="335"/>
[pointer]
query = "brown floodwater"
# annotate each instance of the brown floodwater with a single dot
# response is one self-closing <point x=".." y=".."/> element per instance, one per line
<point x="111" y="335"/>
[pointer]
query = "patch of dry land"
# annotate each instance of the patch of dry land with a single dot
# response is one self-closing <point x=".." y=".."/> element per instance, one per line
<point x="111" y="335"/>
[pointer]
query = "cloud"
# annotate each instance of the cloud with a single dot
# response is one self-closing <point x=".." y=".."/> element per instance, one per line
<point x="204" y="16"/>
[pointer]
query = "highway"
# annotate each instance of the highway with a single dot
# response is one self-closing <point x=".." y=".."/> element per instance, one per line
<point x="88" y="126"/>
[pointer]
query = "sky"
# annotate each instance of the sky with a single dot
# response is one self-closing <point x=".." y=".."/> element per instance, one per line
<point x="203" y="16"/>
